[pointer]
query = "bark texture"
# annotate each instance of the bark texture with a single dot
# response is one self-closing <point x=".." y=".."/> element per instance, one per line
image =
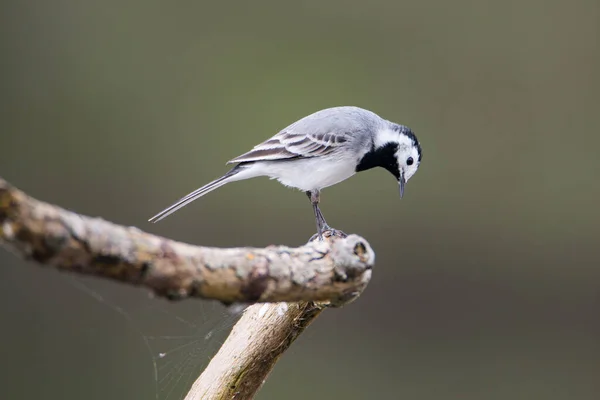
<point x="331" y="270"/>
<point x="254" y="345"/>
<point x="293" y="284"/>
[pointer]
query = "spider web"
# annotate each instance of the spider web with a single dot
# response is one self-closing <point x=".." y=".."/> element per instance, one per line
<point x="179" y="351"/>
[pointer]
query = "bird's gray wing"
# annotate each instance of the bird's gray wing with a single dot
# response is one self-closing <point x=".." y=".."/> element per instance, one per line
<point x="288" y="144"/>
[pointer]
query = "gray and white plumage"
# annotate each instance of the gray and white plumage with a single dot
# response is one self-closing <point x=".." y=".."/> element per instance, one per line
<point x="323" y="149"/>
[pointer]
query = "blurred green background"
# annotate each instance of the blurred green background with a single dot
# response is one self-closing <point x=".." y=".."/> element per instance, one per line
<point x="487" y="277"/>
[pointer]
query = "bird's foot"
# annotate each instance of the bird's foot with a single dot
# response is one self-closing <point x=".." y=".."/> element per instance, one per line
<point x="328" y="232"/>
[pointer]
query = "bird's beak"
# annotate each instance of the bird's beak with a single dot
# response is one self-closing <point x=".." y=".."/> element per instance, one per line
<point x="402" y="182"/>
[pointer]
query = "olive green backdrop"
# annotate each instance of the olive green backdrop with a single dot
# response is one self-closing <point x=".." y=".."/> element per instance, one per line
<point x="487" y="277"/>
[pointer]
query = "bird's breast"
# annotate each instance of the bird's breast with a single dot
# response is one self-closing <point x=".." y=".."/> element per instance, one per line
<point x="309" y="173"/>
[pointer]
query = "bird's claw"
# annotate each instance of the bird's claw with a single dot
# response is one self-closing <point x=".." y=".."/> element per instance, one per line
<point x="328" y="232"/>
<point x="338" y="233"/>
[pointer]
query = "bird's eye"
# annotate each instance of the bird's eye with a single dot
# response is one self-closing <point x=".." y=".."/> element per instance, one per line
<point x="410" y="161"/>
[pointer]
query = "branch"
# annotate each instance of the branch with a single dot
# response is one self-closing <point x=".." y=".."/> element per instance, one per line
<point x="332" y="270"/>
<point x="311" y="277"/>
<point x="254" y="345"/>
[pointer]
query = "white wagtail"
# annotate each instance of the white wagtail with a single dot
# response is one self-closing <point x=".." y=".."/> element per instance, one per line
<point x="320" y="150"/>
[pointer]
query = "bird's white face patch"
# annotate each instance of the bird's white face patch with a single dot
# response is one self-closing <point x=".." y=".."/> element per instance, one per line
<point x="404" y="155"/>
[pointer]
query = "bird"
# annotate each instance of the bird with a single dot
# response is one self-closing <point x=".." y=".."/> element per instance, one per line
<point x="321" y="150"/>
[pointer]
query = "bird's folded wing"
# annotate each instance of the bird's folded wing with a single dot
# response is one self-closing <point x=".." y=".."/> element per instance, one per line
<point x="289" y="145"/>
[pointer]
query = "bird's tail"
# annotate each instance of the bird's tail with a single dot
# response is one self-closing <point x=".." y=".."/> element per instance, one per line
<point x="209" y="187"/>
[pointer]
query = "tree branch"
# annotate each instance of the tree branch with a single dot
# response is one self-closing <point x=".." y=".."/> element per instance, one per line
<point x="311" y="277"/>
<point x="251" y="350"/>
<point x="332" y="270"/>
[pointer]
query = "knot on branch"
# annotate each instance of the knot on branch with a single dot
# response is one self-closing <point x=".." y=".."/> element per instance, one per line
<point x="353" y="258"/>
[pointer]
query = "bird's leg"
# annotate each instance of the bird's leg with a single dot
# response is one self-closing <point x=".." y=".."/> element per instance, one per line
<point x="314" y="196"/>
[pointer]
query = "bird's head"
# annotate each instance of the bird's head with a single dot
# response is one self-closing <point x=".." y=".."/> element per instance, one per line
<point x="395" y="148"/>
<point x="408" y="155"/>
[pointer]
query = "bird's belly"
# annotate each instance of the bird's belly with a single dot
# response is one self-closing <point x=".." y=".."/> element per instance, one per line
<point x="310" y="174"/>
